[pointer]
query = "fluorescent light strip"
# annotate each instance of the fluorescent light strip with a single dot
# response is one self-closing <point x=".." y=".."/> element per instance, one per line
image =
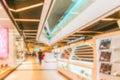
<point x="31" y="36"/>
<point x="90" y="32"/>
<point x="109" y="19"/>
<point x="26" y="8"/>
<point x="30" y="30"/>
<point x="28" y="20"/>
<point x="4" y="19"/>
<point x="1" y="8"/>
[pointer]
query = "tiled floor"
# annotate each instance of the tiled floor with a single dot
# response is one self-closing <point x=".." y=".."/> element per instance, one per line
<point x="31" y="70"/>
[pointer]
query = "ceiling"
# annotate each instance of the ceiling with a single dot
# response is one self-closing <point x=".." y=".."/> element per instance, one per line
<point x="106" y="25"/>
<point x="32" y="20"/>
<point x="62" y="12"/>
<point x="25" y="15"/>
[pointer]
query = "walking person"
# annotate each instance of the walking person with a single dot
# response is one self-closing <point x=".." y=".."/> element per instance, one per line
<point x="43" y="55"/>
<point x="40" y="56"/>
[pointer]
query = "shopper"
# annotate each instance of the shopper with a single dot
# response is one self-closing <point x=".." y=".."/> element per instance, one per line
<point x="43" y="55"/>
<point x="34" y="54"/>
<point x="40" y="56"/>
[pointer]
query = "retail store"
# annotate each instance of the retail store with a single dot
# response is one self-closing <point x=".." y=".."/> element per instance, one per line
<point x="8" y="40"/>
<point x="60" y="39"/>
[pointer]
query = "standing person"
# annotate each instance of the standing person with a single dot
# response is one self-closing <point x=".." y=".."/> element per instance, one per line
<point x="40" y="56"/>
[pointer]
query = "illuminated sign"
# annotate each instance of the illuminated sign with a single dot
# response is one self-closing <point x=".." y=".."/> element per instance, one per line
<point x="77" y="39"/>
<point x="3" y="42"/>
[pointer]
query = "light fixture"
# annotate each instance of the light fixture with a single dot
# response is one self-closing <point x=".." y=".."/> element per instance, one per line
<point x="26" y="8"/>
<point x="28" y="20"/>
<point x="30" y="30"/>
<point x="110" y="19"/>
<point x="4" y="19"/>
<point x="31" y="36"/>
<point x="1" y="8"/>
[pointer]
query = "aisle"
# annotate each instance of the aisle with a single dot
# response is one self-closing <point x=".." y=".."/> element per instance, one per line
<point x="31" y="70"/>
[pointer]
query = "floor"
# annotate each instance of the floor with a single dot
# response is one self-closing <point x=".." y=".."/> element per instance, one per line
<point x="32" y="70"/>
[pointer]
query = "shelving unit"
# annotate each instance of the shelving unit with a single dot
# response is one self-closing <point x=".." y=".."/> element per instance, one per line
<point x="88" y="60"/>
<point x="108" y="53"/>
<point x="83" y="53"/>
<point x="66" y="53"/>
<point x="79" y="64"/>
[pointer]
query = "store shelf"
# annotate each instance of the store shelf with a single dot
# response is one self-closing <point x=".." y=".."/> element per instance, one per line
<point x="81" y="71"/>
<point x="109" y="77"/>
<point x="80" y="59"/>
<point x="81" y="63"/>
<point x="83" y="53"/>
<point x="63" y="60"/>
<point x="66" y="53"/>
<point x="62" y="65"/>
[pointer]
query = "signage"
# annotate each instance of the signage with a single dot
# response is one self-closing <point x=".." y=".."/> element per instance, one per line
<point x="3" y="42"/>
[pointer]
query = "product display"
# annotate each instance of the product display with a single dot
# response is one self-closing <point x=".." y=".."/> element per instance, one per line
<point x="105" y="44"/>
<point x="105" y="68"/>
<point x="109" y="61"/>
<point x="83" y="53"/>
<point x="76" y="61"/>
<point x="105" y="56"/>
<point x="66" y="53"/>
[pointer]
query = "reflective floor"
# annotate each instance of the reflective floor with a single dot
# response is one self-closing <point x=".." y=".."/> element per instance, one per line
<point x="32" y="70"/>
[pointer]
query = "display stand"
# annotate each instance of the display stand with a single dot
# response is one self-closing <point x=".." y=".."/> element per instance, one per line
<point x="79" y="64"/>
<point x="108" y="53"/>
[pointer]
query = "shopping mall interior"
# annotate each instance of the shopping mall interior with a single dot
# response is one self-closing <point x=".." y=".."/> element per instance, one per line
<point x="59" y="39"/>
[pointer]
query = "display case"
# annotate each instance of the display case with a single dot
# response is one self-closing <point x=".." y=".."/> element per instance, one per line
<point x="78" y="65"/>
<point x="65" y="53"/>
<point x="81" y="61"/>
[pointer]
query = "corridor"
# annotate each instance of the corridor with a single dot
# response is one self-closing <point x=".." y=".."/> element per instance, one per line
<point x="32" y="70"/>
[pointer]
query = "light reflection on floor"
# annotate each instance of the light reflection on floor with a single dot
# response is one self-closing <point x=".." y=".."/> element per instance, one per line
<point x="31" y="70"/>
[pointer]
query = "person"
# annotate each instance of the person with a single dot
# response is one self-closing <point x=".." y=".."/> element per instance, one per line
<point x="43" y="55"/>
<point x="34" y="54"/>
<point x="40" y="56"/>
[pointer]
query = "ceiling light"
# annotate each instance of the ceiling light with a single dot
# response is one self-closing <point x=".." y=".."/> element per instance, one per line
<point x="1" y="8"/>
<point x="28" y="20"/>
<point x="109" y="19"/>
<point x="30" y="30"/>
<point x="4" y="19"/>
<point x="31" y="36"/>
<point x="26" y="8"/>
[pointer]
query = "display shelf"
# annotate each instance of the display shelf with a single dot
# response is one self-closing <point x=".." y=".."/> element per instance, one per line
<point x="63" y="60"/>
<point x="62" y="65"/>
<point x="81" y="71"/>
<point x="83" y="53"/>
<point x="80" y="59"/>
<point x="108" y="77"/>
<point x="108" y="52"/>
<point x="66" y="53"/>
<point x="82" y="63"/>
